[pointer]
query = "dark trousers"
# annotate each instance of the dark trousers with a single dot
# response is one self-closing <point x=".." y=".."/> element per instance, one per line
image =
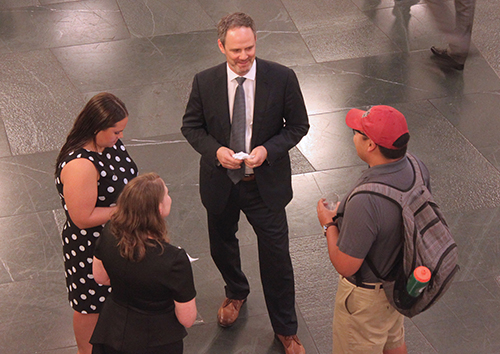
<point x="276" y="270"/>
<point x="172" y="348"/>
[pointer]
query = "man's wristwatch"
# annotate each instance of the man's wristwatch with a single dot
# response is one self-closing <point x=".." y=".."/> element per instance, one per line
<point x="327" y="225"/>
<point x="331" y="223"/>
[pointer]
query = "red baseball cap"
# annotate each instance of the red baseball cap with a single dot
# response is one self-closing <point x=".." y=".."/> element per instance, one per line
<point x="382" y="124"/>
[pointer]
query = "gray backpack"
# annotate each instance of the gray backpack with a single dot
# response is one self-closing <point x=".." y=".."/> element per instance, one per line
<point x="427" y="242"/>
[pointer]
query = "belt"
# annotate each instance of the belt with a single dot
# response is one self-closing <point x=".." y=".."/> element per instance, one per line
<point x="365" y="285"/>
<point x="248" y="178"/>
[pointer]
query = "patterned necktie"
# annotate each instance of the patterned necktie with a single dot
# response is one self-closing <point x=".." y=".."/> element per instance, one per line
<point x="237" y="140"/>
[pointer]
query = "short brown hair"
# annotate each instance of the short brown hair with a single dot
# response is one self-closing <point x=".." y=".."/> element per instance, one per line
<point x="234" y="20"/>
<point x="137" y="222"/>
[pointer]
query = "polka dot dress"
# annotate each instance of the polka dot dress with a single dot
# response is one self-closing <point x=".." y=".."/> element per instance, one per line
<point x="115" y="168"/>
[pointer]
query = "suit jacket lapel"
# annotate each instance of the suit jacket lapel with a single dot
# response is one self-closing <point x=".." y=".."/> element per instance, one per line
<point x="262" y="91"/>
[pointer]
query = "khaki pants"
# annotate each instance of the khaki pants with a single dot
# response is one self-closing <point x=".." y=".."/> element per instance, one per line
<point x="364" y="322"/>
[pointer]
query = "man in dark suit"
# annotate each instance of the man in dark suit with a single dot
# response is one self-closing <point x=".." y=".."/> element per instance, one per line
<point x="275" y="119"/>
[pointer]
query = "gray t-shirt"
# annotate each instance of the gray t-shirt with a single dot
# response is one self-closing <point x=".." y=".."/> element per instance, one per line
<point x="372" y="225"/>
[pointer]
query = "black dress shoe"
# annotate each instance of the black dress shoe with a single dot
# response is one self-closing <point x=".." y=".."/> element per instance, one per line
<point x="446" y="59"/>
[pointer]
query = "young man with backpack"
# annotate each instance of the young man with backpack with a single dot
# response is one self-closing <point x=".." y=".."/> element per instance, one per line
<point x="370" y="227"/>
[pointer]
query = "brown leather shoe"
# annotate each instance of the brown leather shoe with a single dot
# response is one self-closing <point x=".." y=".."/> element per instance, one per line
<point x="229" y="311"/>
<point x="292" y="344"/>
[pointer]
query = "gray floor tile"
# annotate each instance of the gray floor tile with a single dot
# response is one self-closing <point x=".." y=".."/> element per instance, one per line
<point x="30" y="247"/>
<point x="4" y="142"/>
<point x="118" y="64"/>
<point x="57" y="25"/>
<point x="269" y="15"/>
<point x="14" y="4"/>
<point x="154" y="109"/>
<point x="39" y="104"/>
<point x="155" y="18"/>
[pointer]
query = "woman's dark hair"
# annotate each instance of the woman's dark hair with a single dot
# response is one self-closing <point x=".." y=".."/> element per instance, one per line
<point x="103" y="111"/>
<point x="137" y="222"/>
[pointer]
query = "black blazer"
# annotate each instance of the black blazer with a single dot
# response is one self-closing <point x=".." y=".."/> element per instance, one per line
<point x="280" y="121"/>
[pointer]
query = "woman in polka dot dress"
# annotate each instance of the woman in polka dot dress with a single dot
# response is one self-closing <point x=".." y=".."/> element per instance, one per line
<point x="92" y="168"/>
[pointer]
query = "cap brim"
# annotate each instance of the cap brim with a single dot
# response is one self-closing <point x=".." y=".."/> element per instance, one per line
<point x="353" y="119"/>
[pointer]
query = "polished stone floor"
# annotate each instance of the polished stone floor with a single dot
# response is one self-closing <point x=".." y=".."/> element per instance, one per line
<point x="55" y="54"/>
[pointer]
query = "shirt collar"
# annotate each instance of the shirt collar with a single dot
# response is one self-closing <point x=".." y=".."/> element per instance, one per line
<point x="231" y="75"/>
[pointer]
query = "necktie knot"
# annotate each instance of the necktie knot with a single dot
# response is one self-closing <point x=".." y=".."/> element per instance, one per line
<point x="240" y="80"/>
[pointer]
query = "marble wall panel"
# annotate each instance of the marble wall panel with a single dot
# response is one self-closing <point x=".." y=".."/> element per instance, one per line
<point x="38" y="103"/>
<point x="57" y="25"/>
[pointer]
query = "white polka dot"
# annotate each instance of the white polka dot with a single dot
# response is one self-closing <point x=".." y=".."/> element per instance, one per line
<point x="114" y="178"/>
<point x="75" y="302"/>
<point x="89" y="243"/>
<point x="117" y="158"/>
<point x="132" y="171"/>
<point x="125" y="181"/>
<point x="84" y="312"/>
<point x="82" y="281"/>
<point x="66" y="240"/>
<point x="101" y="163"/>
<point x="108" y="155"/>
<point x="63" y="164"/>
<point x="73" y="253"/>
<point x="83" y="232"/>
<point x="71" y="153"/>
<point x="90" y="276"/>
<point x="67" y="256"/>
<point x="89" y="260"/>
<point x="122" y="147"/>
<point x="128" y="159"/>
<point x="73" y="285"/>
<point x="71" y="304"/>
<point x="79" y="155"/>
<point x="93" y="307"/>
<point x="81" y="264"/>
<point x="83" y="297"/>
<point x="74" y="269"/>
<point x="74" y="237"/>
<point x="96" y="234"/>
<point x="109" y="289"/>
<point x="58" y="181"/>
<point x="91" y="291"/>
<point x="81" y="248"/>
<point x="69" y="272"/>
<point x="65" y="207"/>
<point x="111" y="189"/>
<point x="101" y="198"/>
<point x="122" y="169"/>
<point x="103" y="173"/>
<point x="102" y="299"/>
<point x="91" y="158"/>
<point x="111" y="167"/>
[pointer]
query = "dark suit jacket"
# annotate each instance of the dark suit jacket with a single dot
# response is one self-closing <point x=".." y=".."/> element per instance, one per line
<point x="280" y="121"/>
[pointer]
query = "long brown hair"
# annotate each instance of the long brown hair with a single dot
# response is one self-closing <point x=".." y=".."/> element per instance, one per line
<point x="137" y="223"/>
<point x="101" y="112"/>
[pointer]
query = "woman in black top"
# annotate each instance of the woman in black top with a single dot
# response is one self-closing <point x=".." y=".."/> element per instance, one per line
<point x="153" y="295"/>
<point x="92" y="168"/>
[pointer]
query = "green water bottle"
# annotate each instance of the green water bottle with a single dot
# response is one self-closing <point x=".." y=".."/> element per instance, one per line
<point x="418" y="280"/>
